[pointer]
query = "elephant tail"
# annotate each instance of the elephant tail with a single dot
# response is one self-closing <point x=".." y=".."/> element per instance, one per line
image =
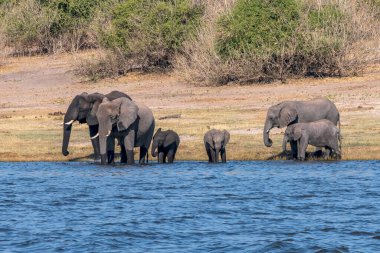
<point x="339" y="123"/>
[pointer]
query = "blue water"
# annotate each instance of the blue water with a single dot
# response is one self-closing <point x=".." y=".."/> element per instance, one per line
<point x="282" y="206"/>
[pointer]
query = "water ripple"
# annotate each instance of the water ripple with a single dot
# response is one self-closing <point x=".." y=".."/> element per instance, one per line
<point x="280" y="206"/>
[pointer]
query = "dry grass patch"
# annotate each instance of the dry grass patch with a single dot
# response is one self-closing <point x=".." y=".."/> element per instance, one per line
<point x="38" y="137"/>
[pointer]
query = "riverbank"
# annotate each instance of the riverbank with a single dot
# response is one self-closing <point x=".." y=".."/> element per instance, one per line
<point x="37" y="90"/>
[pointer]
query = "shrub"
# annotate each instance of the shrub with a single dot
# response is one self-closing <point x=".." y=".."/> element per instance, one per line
<point x="103" y="64"/>
<point x="47" y="26"/>
<point x="26" y="25"/>
<point x="148" y="32"/>
<point x="257" y="27"/>
<point x="269" y="40"/>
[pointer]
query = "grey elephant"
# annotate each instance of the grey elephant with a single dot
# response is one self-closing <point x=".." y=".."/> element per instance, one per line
<point x="83" y="108"/>
<point x="321" y="133"/>
<point x="134" y="127"/>
<point x="290" y="112"/>
<point x="165" y="145"/>
<point x="215" y="143"/>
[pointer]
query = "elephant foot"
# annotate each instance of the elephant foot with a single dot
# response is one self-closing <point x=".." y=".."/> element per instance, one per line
<point x="111" y="157"/>
<point x="96" y="157"/>
<point x="103" y="159"/>
<point x="130" y="157"/>
<point x="318" y="154"/>
<point x="123" y="158"/>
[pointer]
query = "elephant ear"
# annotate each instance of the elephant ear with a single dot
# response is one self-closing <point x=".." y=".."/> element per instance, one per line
<point x="169" y="139"/>
<point x="157" y="132"/>
<point x="226" y="137"/>
<point x="297" y="133"/>
<point x="287" y="115"/>
<point x="208" y="139"/>
<point x="91" y="117"/>
<point x="94" y="97"/>
<point x="128" y="114"/>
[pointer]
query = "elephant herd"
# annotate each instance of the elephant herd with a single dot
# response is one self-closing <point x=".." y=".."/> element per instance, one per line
<point x="115" y="116"/>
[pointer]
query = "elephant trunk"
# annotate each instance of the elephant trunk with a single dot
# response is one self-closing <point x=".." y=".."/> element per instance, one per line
<point x="66" y="138"/>
<point x="70" y="116"/>
<point x="285" y="141"/>
<point x="267" y="141"/>
<point x="154" y="151"/>
<point x="103" y="149"/>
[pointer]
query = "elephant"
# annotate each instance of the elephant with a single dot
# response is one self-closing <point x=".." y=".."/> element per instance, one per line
<point x="215" y="142"/>
<point x="321" y="133"/>
<point x="290" y="112"/>
<point x="83" y="108"/>
<point x="165" y="145"/>
<point x="134" y="127"/>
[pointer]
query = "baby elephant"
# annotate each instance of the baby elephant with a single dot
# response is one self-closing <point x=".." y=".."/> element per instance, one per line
<point x="166" y="142"/>
<point x="322" y="133"/>
<point x="215" y="143"/>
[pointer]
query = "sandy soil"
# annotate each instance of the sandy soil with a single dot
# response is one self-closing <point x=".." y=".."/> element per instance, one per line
<point x="34" y="88"/>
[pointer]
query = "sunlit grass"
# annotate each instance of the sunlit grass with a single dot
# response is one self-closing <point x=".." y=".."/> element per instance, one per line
<point x="36" y="136"/>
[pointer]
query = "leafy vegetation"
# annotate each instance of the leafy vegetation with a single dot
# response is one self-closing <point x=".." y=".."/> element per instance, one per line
<point x="262" y="40"/>
<point x="47" y="26"/>
<point x="151" y="31"/>
<point x="257" y="27"/>
<point x="208" y="41"/>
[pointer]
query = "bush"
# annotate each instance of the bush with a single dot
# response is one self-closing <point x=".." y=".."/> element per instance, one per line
<point x="257" y="27"/>
<point x="25" y="27"/>
<point x="149" y="32"/>
<point x="103" y="64"/>
<point x="47" y="26"/>
<point x="268" y="40"/>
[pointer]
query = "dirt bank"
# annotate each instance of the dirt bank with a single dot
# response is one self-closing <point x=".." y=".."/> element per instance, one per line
<point x="35" y="89"/>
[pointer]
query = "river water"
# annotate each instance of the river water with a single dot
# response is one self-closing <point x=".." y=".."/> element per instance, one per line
<point x="274" y="206"/>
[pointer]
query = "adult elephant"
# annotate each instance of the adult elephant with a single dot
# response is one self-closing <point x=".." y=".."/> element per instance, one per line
<point x="135" y="126"/>
<point x="83" y="108"/>
<point x="290" y="112"/>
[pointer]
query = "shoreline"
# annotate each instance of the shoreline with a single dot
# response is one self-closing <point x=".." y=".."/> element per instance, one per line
<point x="37" y="91"/>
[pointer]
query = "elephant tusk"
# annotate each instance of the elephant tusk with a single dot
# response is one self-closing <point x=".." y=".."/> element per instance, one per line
<point x="70" y="122"/>
<point x="109" y="132"/>
<point x="96" y="135"/>
<point x="267" y="131"/>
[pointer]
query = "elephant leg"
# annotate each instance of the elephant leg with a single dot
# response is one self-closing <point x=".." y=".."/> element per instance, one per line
<point x="161" y="157"/>
<point x="335" y="148"/>
<point x="318" y="152"/>
<point x="129" y="143"/>
<point x="302" y="148"/>
<point x="208" y="150"/>
<point x="223" y="155"/>
<point x="328" y="153"/>
<point x="294" y="148"/>
<point x="93" y="130"/>
<point x="143" y="152"/>
<point x="170" y="156"/>
<point x="123" y="153"/>
<point x="213" y="153"/>
<point x="111" y="156"/>
<point x="111" y="150"/>
<point x="103" y="159"/>
<point x="130" y="157"/>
